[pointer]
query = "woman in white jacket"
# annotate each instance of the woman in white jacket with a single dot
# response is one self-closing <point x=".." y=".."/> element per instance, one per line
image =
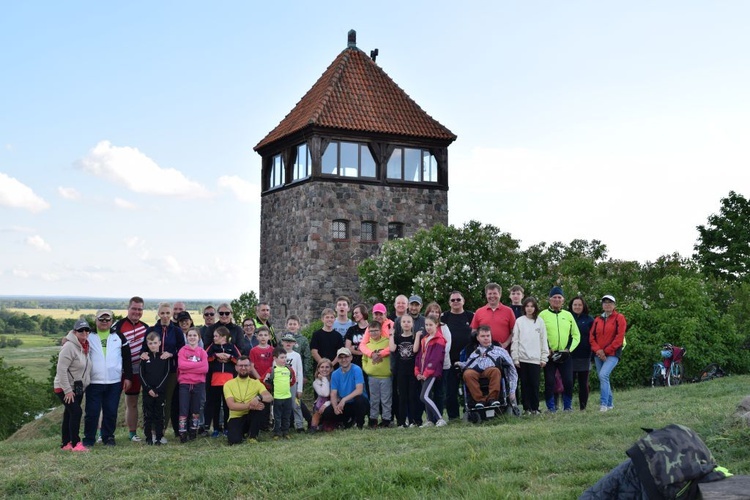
<point x="530" y="351"/>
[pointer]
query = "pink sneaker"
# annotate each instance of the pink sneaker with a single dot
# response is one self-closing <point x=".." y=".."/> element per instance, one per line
<point x="79" y="447"/>
<point x="67" y="447"/>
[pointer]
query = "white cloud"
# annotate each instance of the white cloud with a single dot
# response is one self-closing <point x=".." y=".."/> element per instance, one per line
<point x="9" y="147"/>
<point x="38" y="242"/>
<point x="15" y="194"/>
<point x="139" y="173"/>
<point x="134" y="241"/>
<point x="71" y="194"/>
<point x="18" y="229"/>
<point x="49" y="277"/>
<point x="124" y="204"/>
<point x="20" y="273"/>
<point x="243" y="190"/>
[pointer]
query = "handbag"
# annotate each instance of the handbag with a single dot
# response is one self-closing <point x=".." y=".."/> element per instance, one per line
<point x="560" y="356"/>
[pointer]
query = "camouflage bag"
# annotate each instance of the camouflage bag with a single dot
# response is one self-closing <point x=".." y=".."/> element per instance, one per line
<point x="670" y="462"/>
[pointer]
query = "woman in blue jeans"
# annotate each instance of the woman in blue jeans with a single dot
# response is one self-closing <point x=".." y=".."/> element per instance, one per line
<point x="607" y="336"/>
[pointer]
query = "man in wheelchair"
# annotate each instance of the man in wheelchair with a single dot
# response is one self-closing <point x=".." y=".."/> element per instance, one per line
<point x="488" y="361"/>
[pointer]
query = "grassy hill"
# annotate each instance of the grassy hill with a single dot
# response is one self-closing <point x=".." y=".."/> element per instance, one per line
<point x="552" y="456"/>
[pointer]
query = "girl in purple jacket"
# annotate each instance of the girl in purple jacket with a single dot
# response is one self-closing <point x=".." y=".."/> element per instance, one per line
<point x="192" y="367"/>
<point x="429" y="348"/>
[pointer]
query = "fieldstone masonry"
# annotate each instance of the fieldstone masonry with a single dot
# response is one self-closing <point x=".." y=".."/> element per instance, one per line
<point x="303" y="269"/>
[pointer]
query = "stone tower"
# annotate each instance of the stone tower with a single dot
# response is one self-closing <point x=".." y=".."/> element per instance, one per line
<point x="356" y="162"/>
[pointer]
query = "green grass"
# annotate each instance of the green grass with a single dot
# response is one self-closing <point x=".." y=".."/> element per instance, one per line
<point x="33" y="355"/>
<point x="552" y="456"/>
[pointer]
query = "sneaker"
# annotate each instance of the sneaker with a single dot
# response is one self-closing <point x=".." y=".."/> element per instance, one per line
<point x="149" y="441"/>
<point x="163" y="440"/>
<point x="494" y="403"/>
<point x="610" y="408"/>
<point x="479" y="406"/>
<point x="215" y="434"/>
<point x="79" y="448"/>
<point x="202" y="432"/>
<point x="111" y="442"/>
<point x="276" y="437"/>
<point x="157" y="443"/>
<point x="441" y="423"/>
<point x="286" y="436"/>
<point x="99" y="439"/>
<point x="568" y="410"/>
<point x="427" y="424"/>
<point x="67" y="447"/>
<point x="183" y="437"/>
<point x="252" y="440"/>
<point x="134" y="438"/>
<point x="603" y="408"/>
<point x="300" y="430"/>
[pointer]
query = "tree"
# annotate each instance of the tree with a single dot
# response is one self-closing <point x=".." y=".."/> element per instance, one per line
<point x="723" y="247"/>
<point x="434" y="262"/>
<point x="244" y="306"/>
<point x="21" y="399"/>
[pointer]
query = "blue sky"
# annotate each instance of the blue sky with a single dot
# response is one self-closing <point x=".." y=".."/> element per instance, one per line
<point x="127" y="128"/>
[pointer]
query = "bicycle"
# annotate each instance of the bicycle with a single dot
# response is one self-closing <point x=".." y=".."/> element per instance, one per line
<point x="669" y="371"/>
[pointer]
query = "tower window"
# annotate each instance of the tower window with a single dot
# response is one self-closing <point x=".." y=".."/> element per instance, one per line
<point x="340" y="229"/>
<point x="368" y="231"/>
<point x="277" y="172"/>
<point x="302" y="164"/>
<point x="395" y="230"/>
<point x="413" y="165"/>
<point x="348" y="159"/>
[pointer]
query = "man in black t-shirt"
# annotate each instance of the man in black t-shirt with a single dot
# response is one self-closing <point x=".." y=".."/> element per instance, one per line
<point x="458" y="321"/>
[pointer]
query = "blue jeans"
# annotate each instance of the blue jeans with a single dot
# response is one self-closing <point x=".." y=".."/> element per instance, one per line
<point x="604" y="369"/>
<point x="104" y="399"/>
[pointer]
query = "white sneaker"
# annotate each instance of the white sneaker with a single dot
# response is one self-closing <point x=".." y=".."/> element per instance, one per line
<point x="610" y="408"/>
<point x="441" y="423"/>
<point x="427" y="424"/>
<point x="163" y="440"/>
<point x="603" y="408"/>
<point x="135" y="438"/>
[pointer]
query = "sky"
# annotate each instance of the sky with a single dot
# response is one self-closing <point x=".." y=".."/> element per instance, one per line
<point x="127" y="128"/>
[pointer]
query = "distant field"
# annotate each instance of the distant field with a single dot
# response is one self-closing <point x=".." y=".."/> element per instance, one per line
<point x="33" y="355"/>
<point x="149" y="316"/>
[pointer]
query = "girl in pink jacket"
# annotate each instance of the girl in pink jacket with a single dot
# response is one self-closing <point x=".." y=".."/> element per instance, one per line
<point x="192" y="367"/>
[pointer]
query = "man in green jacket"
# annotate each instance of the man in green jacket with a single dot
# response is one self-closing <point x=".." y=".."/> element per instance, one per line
<point x="562" y="336"/>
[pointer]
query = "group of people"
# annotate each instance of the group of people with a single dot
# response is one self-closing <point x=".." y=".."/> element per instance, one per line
<point x="402" y="369"/>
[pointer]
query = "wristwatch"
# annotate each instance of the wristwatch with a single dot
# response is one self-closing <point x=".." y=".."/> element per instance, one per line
<point x="259" y="398"/>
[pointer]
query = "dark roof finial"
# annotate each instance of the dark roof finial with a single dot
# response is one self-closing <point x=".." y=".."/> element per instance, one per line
<point x="351" y="40"/>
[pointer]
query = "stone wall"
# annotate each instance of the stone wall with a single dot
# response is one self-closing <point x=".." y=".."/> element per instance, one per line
<point x="302" y="270"/>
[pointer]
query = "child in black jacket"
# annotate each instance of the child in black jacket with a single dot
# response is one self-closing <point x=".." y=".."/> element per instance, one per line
<point x="154" y="373"/>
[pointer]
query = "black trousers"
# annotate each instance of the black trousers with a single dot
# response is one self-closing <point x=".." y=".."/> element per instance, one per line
<point x="528" y="375"/>
<point x="71" y="424"/>
<point x="354" y="413"/>
<point x="247" y="424"/>
<point x="153" y="414"/>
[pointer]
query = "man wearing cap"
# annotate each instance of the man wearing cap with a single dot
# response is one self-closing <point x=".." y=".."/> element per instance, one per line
<point x="134" y="330"/>
<point x="348" y="405"/>
<point x="500" y="318"/>
<point x="607" y="337"/>
<point x="563" y="337"/>
<point x="111" y="371"/>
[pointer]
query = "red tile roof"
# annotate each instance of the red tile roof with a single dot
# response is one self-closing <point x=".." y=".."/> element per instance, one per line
<point x="354" y="93"/>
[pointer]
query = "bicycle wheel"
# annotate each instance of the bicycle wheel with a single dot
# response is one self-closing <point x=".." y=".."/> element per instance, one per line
<point x="657" y="376"/>
<point x="709" y="372"/>
<point x="675" y="374"/>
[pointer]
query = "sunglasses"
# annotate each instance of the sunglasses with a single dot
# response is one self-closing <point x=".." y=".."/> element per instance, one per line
<point x="209" y="314"/>
<point x="104" y="320"/>
<point x="83" y="330"/>
<point x="456" y="300"/>
<point x="225" y="313"/>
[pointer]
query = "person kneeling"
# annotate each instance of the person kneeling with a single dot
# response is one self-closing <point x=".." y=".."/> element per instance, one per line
<point x="246" y="398"/>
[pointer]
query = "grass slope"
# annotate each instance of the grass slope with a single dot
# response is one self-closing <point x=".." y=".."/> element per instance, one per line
<point x="552" y="456"/>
